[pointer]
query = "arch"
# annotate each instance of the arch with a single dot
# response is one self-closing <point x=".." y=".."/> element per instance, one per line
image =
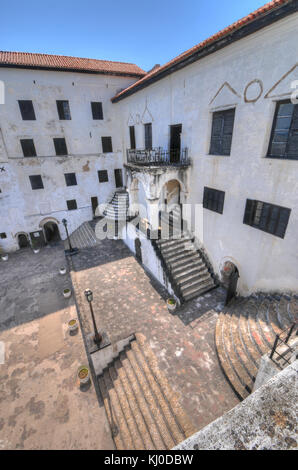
<point x="165" y="179"/>
<point x="50" y="229"/>
<point x="23" y="239"/>
<point x="48" y="219"/>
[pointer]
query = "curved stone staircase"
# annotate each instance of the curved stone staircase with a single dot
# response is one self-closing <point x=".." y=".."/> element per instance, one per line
<point x="246" y="330"/>
<point x="142" y="409"/>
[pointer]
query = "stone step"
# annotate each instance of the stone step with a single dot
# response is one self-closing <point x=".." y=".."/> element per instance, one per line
<point x="183" y="268"/>
<point x="193" y="278"/>
<point x="192" y="293"/>
<point x="166" y="243"/>
<point x="186" y="258"/>
<point x="196" y="283"/>
<point x="176" y="246"/>
<point x="188" y="274"/>
<point x="178" y="255"/>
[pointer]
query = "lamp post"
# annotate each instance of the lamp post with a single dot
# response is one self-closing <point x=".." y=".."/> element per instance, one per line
<point x="89" y="297"/>
<point x="64" y="221"/>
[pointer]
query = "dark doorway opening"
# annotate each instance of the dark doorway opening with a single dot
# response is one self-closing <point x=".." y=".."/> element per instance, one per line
<point x="23" y="241"/>
<point x="94" y="204"/>
<point x="175" y="142"/>
<point x="51" y="231"/>
<point x="118" y="178"/>
<point x="138" y="250"/>
<point x="232" y="284"/>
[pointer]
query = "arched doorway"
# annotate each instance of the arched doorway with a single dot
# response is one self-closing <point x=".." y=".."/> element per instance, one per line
<point x="51" y="232"/>
<point x="170" y="209"/>
<point x="230" y="276"/>
<point x="138" y="250"/>
<point x="23" y="240"/>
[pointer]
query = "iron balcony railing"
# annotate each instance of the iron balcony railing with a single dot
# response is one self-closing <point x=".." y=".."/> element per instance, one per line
<point x="158" y="157"/>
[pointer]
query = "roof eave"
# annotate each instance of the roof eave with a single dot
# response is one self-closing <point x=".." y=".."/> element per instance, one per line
<point x="253" y="26"/>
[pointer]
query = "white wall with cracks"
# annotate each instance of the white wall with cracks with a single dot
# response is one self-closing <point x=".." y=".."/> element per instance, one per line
<point x="250" y="75"/>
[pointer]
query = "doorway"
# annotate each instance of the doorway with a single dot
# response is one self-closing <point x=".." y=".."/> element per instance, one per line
<point x="233" y="277"/>
<point x="23" y="241"/>
<point x="118" y="178"/>
<point x="94" y="204"/>
<point x="138" y="250"/>
<point x="51" y="232"/>
<point x="175" y="142"/>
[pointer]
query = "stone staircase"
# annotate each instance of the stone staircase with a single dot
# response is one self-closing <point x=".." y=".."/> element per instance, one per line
<point x="186" y="267"/>
<point x="246" y="330"/>
<point x="117" y="208"/>
<point x="142" y="409"/>
<point x="83" y="237"/>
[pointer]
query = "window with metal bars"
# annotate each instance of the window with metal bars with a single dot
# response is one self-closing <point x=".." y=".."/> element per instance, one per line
<point x="96" y="108"/>
<point x="222" y="132"/>
<point x="71" y="205"/>
<point x="284" y="135"/>
<point x="103" y="176"/>
<point x="148" y="136"/>
<point x="213" y="200"/>
<point x="60" y="146"/>
<point x="63" y="110"/>
<point x="36" y="181"/>
<point x="267" y="217"/>
<point x="27" y="110"/>
<point x="70" y="179"/>
<point x="132" y="137"/>
<point x="107" y="144"/>
<point x="28" y="147"/>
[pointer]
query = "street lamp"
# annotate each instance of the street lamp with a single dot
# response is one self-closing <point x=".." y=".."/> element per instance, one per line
<point x="89" y="297"/>
<point x="71" y="250"/>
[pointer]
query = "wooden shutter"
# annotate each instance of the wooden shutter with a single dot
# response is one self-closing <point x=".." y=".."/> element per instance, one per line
<point x="148" y="136"/>
<point x="132" y="137"/>
<point x="292" y="147"/>
<point x="249" y="211"/>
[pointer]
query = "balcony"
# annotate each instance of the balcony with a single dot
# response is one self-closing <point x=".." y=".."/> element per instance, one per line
<point x="158" y="157"/>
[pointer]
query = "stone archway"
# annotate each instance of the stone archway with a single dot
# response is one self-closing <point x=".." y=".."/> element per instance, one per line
<point x="230" y="276"/>
<point x="50" y="229"/>
<point x="23" y="240"/>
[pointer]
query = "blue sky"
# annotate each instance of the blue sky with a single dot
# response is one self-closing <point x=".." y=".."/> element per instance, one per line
<point x="143" y="32"/>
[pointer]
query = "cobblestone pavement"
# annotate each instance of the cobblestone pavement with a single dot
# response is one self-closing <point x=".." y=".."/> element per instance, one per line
<point x="127" y="300"/>
<point x="41" y="404"/>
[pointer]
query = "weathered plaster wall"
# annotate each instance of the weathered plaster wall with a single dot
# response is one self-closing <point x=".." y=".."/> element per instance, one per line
<point x="22" y="209"/>
<point x="240" y="75"/>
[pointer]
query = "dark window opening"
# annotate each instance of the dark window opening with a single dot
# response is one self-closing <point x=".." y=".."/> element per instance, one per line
<point x="103" y="176"/>
<point x="36" y="182"/>
<point x="214" y="200"/>
<point x="28" y="147"/>
<point x="267" y="217"/>
<point x="222" y="132"/>
<point x="3" y="235"/>
<point x="107" y="144"/>
<point x="118" y="178"/>
<point x="96" y="108"/>
<point x="63" y="110"/>
<point x="71" y="205"/>
<point x="132" y="137"/>
<point x="70" y="179"/>
<point x="284" y="135"/>
<point x="27" y="110"/>
<point x="60" y="146"/>
<point x="148" y="136"/>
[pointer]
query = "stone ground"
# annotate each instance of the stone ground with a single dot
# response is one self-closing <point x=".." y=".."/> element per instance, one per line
<point x="127" y="300"/>
<point x="41" y="403"/>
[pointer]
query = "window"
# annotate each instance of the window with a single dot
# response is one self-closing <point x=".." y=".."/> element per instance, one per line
<point x="106" y="144"/>
<point x="222" y="132"/>
<point x="36" y="182"/>
<point x="267" y="217"/>
<point x="70" y="179"/>
<point x="63" y="110"/>
<point x="284" y="135"/>
<point x="71" y="205"/>
<point x="60" y="146"/>
<point x="27" y="110"/>
<point x="28" y="147"/>
<point x="213" y="200"/>
<point x="103" y="176"/>
<point x="96" y="108"/>
<point x="148" y="136"/>
<point x="3" y="235"/>
<point x="132" y="137"/>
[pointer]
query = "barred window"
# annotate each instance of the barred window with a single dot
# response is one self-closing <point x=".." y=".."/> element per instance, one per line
<point x="71" y="205"/>
<point x="284" y="135"/>
<point x="70" y="179"/>
<point x="267" y="217"/>
<point x="96" y="108"/>
<point x="63" y="110"/>
<point x="222" y="132"/>
<point x="213" y="200"/>
<point x="107" y="144"/>
<point x="60" y="146"/>
<point x="103" y="176"/>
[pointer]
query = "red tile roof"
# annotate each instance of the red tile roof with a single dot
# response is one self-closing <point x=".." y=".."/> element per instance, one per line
<point x="212" y="39"/>
<point x="60" y="62"/>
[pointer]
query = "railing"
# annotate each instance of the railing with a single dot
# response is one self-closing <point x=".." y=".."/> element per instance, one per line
<point x="158" y="157"/>
<point x="281" y="341"/>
